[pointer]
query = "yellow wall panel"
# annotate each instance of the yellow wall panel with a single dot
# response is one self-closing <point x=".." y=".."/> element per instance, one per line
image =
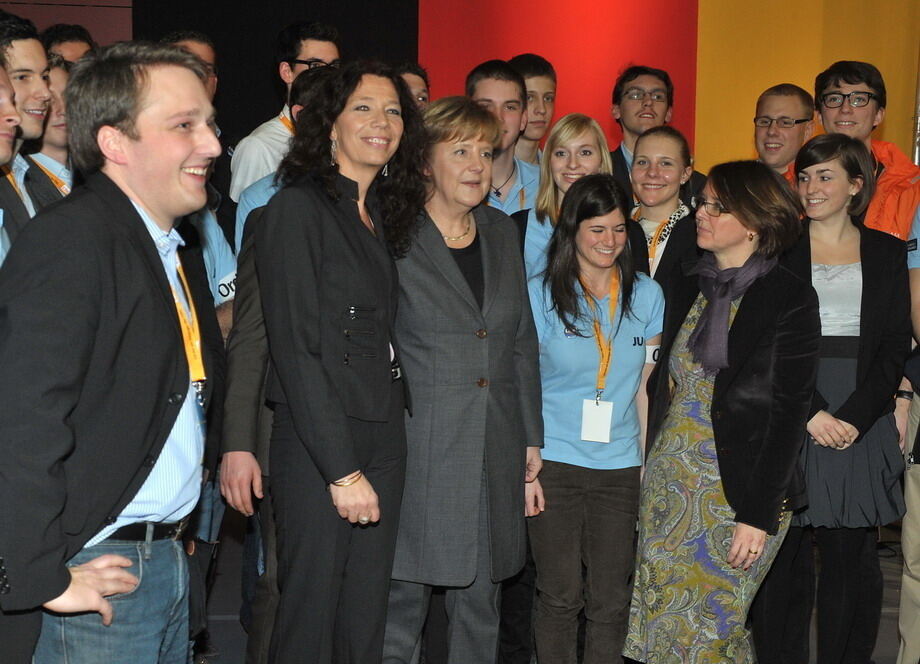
<point x="745" y="48"/>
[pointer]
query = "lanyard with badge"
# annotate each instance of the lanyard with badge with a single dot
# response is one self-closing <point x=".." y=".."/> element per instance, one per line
<point x="191" y="339"/>
<point x="58" y="183"/>
<point x="596" y="414"/>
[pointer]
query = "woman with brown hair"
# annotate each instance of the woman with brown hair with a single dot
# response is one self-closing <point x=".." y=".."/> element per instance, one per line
<point x="728" y="406"/>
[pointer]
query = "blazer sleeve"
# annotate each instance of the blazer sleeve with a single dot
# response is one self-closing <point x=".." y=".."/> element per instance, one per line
<point x="289" y="261"/>
<point x="247" y="352"/>
<point x="49" y="309"/>
<point x="874" y="393"/>
<point x="795" y="367"/>
<point x="527" y="368"/>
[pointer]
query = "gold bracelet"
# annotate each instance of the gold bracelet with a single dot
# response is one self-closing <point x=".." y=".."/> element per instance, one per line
<point x="351" y="479"/>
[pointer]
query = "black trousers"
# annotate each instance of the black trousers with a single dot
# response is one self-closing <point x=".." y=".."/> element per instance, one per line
<point x="849" y="598"/>
<point x="334" y="576"/>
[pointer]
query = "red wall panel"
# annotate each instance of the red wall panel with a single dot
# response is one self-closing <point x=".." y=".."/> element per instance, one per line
<point x="588" y="41"/>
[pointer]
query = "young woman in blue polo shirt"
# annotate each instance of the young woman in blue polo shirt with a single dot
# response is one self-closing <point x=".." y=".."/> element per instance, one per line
<point x="598" y="322"/>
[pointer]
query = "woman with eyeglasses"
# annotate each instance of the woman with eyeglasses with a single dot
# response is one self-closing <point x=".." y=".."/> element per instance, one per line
<point x="851" y="459"/>
<point x="661" y="166"/>
<point x="728" y="406"/>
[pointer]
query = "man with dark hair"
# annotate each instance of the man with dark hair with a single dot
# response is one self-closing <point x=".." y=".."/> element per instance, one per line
<point x="300" y="46"/>
<point x="102" y="446"/>
<point x="643" y="98"/>
<point x="27" y="66"/>
<point x="68" y="40"/>
<point x="851" y="98"/>
<point x="540" y="83"/>
<point x="49" y="177"/>
<point x="416" y="78"/>
<point x="498" y="88"/>
<point x="783" y="122"/>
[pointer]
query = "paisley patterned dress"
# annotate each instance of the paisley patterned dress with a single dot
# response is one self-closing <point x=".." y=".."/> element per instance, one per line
<point x="688" y="604"/>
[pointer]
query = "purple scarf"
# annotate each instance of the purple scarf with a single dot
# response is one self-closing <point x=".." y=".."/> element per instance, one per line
<point x="709" y="341"/>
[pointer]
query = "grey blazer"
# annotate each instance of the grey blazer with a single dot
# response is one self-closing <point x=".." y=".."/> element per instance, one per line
<point x="475" y="383"/>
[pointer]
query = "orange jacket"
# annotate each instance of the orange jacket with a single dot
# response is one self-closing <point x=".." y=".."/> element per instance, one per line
<point x="897" y="192"/>
<point x="791" y="176"/>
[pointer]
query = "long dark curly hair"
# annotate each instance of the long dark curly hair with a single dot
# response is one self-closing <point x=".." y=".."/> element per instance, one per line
<point x="591" y="196"/>
<point x="401" y="193"/>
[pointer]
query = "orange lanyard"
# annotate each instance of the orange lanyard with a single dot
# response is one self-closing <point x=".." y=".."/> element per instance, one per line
<point x="55" y="180"/>
<point x="653" y="250"/>
<point x="286" y="121"/>
<point x="604" y="344"/>
<point x="191" y="333"/>
<point x="12" y="180"/>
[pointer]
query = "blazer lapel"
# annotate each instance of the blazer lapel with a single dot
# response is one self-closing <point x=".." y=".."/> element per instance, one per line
<point x="493" y="248"/>
<point x="756" y="314"/>
<point x="15" y="215"/>
<point x="429" y="240"/>
<point x="124" y="213"/>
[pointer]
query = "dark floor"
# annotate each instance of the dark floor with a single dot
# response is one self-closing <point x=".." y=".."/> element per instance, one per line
<point x="230" y="640"/>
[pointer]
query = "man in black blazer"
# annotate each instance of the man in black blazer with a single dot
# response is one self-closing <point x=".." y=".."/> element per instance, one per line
<point x="108" y="365"/>
<point x="643" y="98"/>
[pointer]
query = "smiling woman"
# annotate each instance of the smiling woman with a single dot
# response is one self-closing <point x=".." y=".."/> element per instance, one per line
<point x="470" y="353"/>
<point x="324" y="253"/>
<point x="575" y="147"/>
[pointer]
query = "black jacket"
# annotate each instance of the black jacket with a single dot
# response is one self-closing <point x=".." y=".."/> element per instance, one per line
<point x="760" y="401"/>
<point x="681" y="246"/>
<point x="92" y="378"/>
<point x="884" y="325"/>
<point x="329" y="294"/>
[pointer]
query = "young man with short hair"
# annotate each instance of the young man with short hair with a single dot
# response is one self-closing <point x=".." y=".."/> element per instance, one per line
<point x="783" y="123"/>
<point x="643" y="97"/>
<point x="50" y="177"/>
<point x="26" y="64"/>
<point x="300" y="46"/>
<point x="68" y="40"/>
<point x="102" y="446"/>
<point x="851" y="98"/>
<point x="498" y="88"/>
<point x="540" y="83"/>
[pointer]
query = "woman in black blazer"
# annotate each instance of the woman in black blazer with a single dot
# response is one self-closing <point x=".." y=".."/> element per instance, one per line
<point x="728" y="405"/>
<point x="661" y="166"/>
<point x="352" y="189"/>
<point x="851" y="459"/>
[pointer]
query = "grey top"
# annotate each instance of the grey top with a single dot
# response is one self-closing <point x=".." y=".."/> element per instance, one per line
<point x="839" y="289"/>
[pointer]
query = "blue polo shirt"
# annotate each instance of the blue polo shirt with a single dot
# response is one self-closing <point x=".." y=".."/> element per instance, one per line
<point x="536" y="244"/>
<point x="568" y="371"/>
<point x="913" y="253"/>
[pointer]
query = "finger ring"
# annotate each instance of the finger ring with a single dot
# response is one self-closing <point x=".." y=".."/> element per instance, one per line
<point x="753" y="552"/>
<point x="364" y="520"/>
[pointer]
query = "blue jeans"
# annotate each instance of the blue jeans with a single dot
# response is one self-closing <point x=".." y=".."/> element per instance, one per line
<point x="150" y="623"/>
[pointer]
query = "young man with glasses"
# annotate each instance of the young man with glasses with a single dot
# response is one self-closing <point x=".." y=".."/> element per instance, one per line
<point x="300" y="46"/>
<point x="850" y="96"/>
<point x="783" y="122"/>
<point x="643" y="98"/>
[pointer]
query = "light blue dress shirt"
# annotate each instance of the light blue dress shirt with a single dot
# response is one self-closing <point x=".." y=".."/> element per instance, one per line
<point x="536" y="244"/>
<point x="255" y="195"/>
<point x="568" y="373"/>
<point x="627" y="156"/>
<point x="171" y="490"/>
<point x="54" y="166"/>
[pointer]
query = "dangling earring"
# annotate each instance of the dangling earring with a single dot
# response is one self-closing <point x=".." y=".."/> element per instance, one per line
<point x="750" y="237"/>
<point x="332" y="149"/>
<point x="386" y="169"/>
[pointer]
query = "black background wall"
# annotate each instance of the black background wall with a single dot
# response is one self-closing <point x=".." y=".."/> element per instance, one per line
<point x="249" y="90"/>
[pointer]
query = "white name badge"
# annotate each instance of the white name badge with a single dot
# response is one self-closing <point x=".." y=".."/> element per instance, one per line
<point x="596" y="417"/>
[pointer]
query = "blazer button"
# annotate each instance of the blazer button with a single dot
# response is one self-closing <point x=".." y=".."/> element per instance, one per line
<point x="483" y="382"/>
<point x="482" y="334"/>
<point x="717" y="415"/>
<point x="5" y="589"/>
<point x="110" y="520"/>
<point x="174" y="399"/>
<point x="149" y="461"/>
